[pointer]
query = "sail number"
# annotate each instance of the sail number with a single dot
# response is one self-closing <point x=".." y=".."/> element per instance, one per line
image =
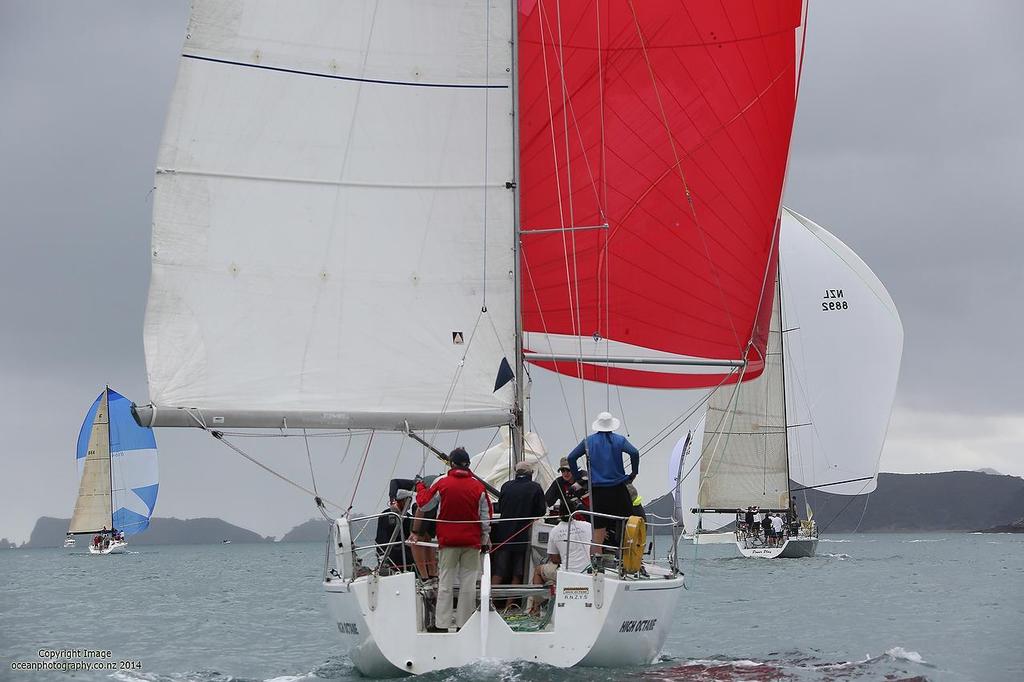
<point x="833" y="300"/>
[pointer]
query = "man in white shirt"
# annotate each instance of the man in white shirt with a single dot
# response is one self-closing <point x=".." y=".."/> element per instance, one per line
<point x="568" y="543"/>
<point x="777" y="529"/>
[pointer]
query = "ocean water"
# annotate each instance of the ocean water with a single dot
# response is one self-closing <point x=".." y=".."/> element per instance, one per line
<point x="868" y="607"/>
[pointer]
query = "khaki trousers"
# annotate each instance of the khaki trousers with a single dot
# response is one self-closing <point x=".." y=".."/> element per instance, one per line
<point x="464" y="562"/>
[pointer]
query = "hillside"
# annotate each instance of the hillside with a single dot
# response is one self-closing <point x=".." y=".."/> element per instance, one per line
<point x="314" y="530"/>
<point x="950" y="500"/>
<point x="50" y="532"/>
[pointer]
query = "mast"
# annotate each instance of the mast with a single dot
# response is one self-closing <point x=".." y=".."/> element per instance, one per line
<point x="782" y="367"/>
<point x="518" y="427"/>
<point x="110" y="460"/>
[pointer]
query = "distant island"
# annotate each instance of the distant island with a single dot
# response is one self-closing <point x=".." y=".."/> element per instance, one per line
<point x="966" y="501"/>
<point x="947" y="501"/>
<point x="1015" y="527"/>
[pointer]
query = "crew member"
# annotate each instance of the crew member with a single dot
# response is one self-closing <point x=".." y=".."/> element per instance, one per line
<point x="604" y="449"/>
<point x="521" y="498"/>
<point x="560" y="490"/>
<point x="463" y="533"/>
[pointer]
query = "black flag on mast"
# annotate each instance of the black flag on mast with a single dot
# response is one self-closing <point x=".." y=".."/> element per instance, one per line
<point x="505" y="374"/>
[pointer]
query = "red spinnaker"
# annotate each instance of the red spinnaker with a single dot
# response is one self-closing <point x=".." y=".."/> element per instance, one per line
<point x="669" y="122"/>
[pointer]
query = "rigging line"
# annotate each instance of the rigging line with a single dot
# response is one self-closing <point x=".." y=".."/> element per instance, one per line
<point x="568" y="103"/>
<point x="326" y="434"/>
<point x="220" y="436"/>
<point x="547" y="337"/>
<point x="682" y="174"/>
<point x="853" y="498"/>
<point x="604" y="204"/>
<point x="455" y="378"/>
<point x="558" y="177"/>
<point x="865" y="511"/>
<point x="487" y="122"/>
<point x="354" y="79"/>
<point x="731" y="411"/>
<point x="347" y="447"/>
<point x="309" y="458"/>
<point x="394" y="467"/>
<point x="359" y="478"/>
<point x="574" y="286"/>
<point x="666" y="431"/>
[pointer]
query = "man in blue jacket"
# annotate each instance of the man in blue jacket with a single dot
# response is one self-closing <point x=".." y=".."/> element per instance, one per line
<point x="608" y="477"/>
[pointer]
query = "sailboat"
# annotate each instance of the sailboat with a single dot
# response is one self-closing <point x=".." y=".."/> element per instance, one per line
<point x="117" y="464"/>
<point x="817" y="417"/>
<point x="377" y="216"/>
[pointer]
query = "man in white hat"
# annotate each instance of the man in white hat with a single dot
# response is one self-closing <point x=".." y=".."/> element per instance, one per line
<point x="608" y="477"/>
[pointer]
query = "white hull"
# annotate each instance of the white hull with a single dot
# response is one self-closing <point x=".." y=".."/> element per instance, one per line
<point x="597" y="621"/>
<point x="115" y="547"/>
<point x="726" y="538"/>
<point x="792" y="548"/>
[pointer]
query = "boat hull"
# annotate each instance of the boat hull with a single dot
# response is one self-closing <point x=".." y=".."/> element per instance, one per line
<point x="725" y="538"/>
<point x="115" y="547"/>
<point x="792" y="548"/>
<point x="604" y="621"/>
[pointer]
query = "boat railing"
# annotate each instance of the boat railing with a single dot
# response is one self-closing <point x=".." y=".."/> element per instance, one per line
<point x="374" y="557"/>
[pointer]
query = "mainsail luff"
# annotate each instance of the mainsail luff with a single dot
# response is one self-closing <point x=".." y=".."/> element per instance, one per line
<point x="93" y="505"/>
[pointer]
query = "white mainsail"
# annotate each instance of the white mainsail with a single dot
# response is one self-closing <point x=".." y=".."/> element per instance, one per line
<point x="92" y="508"/>
<point x="844" y="341"/>
<point x="333" y="238"/>
<point x="744" y="457"/>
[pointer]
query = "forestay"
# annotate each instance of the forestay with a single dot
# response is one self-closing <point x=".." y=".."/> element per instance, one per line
<point x="843" y="344"/>
<point x="331" y="217"/>
<point x="654" y="140"/>
<point x="744" y="457"/>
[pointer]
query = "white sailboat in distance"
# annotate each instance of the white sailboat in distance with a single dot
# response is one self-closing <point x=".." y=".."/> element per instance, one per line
<point x="366" y="211"/>
<point x="818" y="416"/>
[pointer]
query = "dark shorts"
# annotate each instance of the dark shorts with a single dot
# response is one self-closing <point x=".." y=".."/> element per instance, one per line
<point x="614" y="500"/>
<point x="509" y="561"/>
<point x="427" y="524"/>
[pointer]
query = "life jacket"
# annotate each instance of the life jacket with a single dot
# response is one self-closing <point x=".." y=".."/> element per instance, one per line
<point x="460" y="501"/>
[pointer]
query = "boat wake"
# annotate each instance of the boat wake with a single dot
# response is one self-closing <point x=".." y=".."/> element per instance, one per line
<point x="841" y="556"/>
<point x="895" y="663"/>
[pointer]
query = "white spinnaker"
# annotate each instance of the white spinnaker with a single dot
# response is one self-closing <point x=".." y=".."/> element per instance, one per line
<point x="744" y="455"/>
<point x="319" y="217"/>
<point x="844" y="342"/>
<point x="92" y="507"/>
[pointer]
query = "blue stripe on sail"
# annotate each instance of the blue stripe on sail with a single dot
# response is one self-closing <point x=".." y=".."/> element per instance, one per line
<point x="86" y="430"/>
<point x="148" y="495"/>
<point x="129" y="522"/>
<point x="125" y="432"/>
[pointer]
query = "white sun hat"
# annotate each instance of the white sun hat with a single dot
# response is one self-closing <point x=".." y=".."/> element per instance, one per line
<point x="605" y="422"/>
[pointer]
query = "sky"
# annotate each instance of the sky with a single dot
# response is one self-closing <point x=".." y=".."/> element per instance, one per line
<point x="908" y="145"/>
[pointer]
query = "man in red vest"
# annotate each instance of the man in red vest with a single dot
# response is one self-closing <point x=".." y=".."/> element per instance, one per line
<point x="463" y="533"/>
